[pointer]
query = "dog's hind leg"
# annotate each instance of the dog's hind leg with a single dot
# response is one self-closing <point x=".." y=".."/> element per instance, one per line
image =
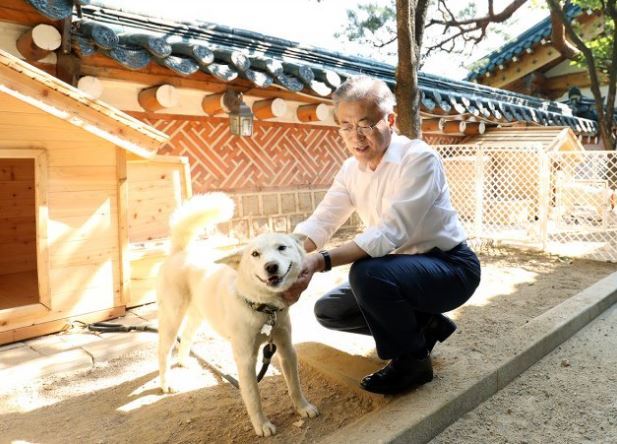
<point x="245" y="354"/>
<point x="191" y="324"/>
<point x="171" y="312"/>
<point x="288" y="361"/>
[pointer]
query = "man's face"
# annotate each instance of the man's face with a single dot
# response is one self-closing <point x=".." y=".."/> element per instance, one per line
<point x="366" y="144"/>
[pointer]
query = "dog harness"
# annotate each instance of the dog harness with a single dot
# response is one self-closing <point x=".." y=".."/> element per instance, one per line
<point x="270" y="348"/>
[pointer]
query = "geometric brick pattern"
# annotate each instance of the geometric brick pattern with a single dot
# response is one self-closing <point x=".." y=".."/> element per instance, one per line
<point x="278" y="155"/>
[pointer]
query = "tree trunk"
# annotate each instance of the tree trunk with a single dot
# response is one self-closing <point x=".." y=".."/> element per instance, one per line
<point x="410" y="17"/>
<point x="405" y="70"/>
<point x="605" y="125"/>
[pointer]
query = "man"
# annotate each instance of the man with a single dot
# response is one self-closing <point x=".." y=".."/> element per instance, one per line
<point x="411" y="263"/>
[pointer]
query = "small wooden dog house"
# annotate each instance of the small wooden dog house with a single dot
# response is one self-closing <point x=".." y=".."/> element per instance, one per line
<point x="79" y="182"/>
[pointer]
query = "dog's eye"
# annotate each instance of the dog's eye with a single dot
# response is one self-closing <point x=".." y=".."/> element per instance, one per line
<point x="255" y="253"/>
<point x="282" y="247"/>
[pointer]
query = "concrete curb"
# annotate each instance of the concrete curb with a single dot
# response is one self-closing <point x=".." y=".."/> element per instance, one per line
<point x="403" y="421"/>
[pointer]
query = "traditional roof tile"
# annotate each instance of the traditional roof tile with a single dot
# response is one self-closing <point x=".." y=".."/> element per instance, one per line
<point x="227" y="53"/>
<point x="517" y="46"/>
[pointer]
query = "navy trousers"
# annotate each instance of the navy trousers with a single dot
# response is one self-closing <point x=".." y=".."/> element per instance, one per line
<point x="392" y="297"/>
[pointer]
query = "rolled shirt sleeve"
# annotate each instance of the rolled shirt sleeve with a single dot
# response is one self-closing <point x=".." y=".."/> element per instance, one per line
<point x="330" y="214"/>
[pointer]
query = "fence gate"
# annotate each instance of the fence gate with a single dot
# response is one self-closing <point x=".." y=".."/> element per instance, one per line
<point x="561" y="202"/>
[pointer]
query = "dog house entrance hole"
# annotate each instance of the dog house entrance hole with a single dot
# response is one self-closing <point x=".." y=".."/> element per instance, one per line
<point x="18" y="255"/>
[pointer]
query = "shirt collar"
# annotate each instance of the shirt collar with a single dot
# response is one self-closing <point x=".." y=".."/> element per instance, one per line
<point x="394" y="153"/>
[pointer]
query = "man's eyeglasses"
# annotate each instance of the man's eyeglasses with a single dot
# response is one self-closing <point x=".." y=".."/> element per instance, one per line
<point x="364" y="130"/>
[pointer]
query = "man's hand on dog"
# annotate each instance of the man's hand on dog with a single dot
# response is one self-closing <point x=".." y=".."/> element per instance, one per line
<point x="309" y="267"/>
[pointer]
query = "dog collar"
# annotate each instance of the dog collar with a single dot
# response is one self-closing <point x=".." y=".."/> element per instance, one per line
<point x="270" y="310"/>
<point x="262" y="308"/>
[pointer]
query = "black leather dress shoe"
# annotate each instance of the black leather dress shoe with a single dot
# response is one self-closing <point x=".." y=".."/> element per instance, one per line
<point x="399" y="375"/>
<point x="438" y="328"/>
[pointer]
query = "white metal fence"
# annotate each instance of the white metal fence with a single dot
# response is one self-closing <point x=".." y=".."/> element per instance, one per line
<point x="560" y="202"/>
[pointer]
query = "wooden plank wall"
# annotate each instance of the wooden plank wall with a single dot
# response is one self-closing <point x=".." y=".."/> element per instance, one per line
<point x="84" y="273"/>
<point x="155" y="190"/>
<point x="17" y="216"/>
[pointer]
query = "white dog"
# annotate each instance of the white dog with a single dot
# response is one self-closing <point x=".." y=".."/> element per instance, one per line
<point x="234" y="295"/>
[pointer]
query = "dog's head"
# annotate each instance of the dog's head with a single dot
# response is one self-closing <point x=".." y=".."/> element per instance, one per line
<point x="270" y="263"/>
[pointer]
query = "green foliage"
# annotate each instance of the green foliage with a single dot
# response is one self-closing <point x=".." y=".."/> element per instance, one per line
<point x="602" y="45"/>
<point x="371" y="24"/>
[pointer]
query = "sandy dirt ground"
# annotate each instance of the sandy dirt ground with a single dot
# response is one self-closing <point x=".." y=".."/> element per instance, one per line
<point x="119" y="401"/>
<point x="567" y="397"/>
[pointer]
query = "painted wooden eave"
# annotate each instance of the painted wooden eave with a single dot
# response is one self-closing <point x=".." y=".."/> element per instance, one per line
<point x="43" y="91"/>
<point x="136" y="41"/>
<point x="516" y="47"/>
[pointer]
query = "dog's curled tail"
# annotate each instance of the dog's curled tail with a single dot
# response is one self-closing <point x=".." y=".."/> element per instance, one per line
<point x="196" y="213"/>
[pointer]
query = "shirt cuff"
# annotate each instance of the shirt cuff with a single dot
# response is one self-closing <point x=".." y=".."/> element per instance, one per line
<point x="374" y="243"/>
<point x="318" y="235"/>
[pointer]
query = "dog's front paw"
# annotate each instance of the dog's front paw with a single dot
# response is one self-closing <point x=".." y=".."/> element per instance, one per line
<point x="165" y="388"/>
<point x="308" y="411"/>
<point x="265" y="429"/>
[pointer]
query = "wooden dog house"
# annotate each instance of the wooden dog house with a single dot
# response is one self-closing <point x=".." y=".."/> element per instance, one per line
<point x="80" y="182"/>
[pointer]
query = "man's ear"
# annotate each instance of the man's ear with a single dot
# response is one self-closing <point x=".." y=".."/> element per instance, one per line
<point x="233" y="260"/>
<point x="391" y="119"/>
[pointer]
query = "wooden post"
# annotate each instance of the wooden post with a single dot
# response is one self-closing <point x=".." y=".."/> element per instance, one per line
<point x="213" y="104"/>
<point x="91" y="86"/>
<point x="158" y="97"/>
<point x="316" y="112"/>
<point x="123" y="228"/>
<point x="267" y="109"/>
<point x="68" y="68"/>
<point x="38" y="42"/>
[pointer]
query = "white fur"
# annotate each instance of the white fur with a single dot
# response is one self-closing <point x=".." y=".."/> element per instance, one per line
<point x="192" y="287"/>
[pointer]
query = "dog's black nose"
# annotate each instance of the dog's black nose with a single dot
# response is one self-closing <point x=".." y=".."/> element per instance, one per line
<point x="271" y="267"/>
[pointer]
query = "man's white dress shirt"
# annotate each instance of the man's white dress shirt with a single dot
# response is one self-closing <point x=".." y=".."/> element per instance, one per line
<point x="404" y="204"/>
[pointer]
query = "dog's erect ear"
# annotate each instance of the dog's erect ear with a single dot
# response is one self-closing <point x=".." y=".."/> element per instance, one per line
<point x="299" y="237"/>
<point x="233" y="260"/>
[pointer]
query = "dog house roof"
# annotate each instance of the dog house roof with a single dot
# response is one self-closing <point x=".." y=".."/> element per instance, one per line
<point x="42" y="90"/>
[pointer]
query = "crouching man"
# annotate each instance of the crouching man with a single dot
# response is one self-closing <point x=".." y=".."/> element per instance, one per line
<point x="411" y="263"/>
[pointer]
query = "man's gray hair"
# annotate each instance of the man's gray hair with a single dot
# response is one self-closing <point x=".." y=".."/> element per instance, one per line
<point x="365" y="88"/>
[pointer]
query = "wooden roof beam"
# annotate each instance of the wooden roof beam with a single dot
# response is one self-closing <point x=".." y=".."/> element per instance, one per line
<point x="158" y="97"/>
<point x="454" y="127"/>
<point x="474" y="128"/>
<point x="91" y="86"/>
<point x="38" y="42"/>
<point x="269" y="108"/>
<point x="212" y="104"/>
<point x="431" y="125"/>
<point x="313" y="113"/>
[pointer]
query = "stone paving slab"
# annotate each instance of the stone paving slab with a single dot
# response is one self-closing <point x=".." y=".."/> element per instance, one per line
<point x="73" y="350"/>
<point x="40" y="366"/>
<point x="15" y="354"/>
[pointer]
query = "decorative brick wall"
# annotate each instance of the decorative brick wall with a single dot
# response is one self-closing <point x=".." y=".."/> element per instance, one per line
<point x="276" y="177"/>
<point x="277" y="156"/>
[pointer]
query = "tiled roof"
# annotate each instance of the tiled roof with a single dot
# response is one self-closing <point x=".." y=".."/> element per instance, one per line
<point x="228" y="53"/>
<point x="519" y="45"/>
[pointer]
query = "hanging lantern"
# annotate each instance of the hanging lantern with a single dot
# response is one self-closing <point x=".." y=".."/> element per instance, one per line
<point x="240" y="115"/>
